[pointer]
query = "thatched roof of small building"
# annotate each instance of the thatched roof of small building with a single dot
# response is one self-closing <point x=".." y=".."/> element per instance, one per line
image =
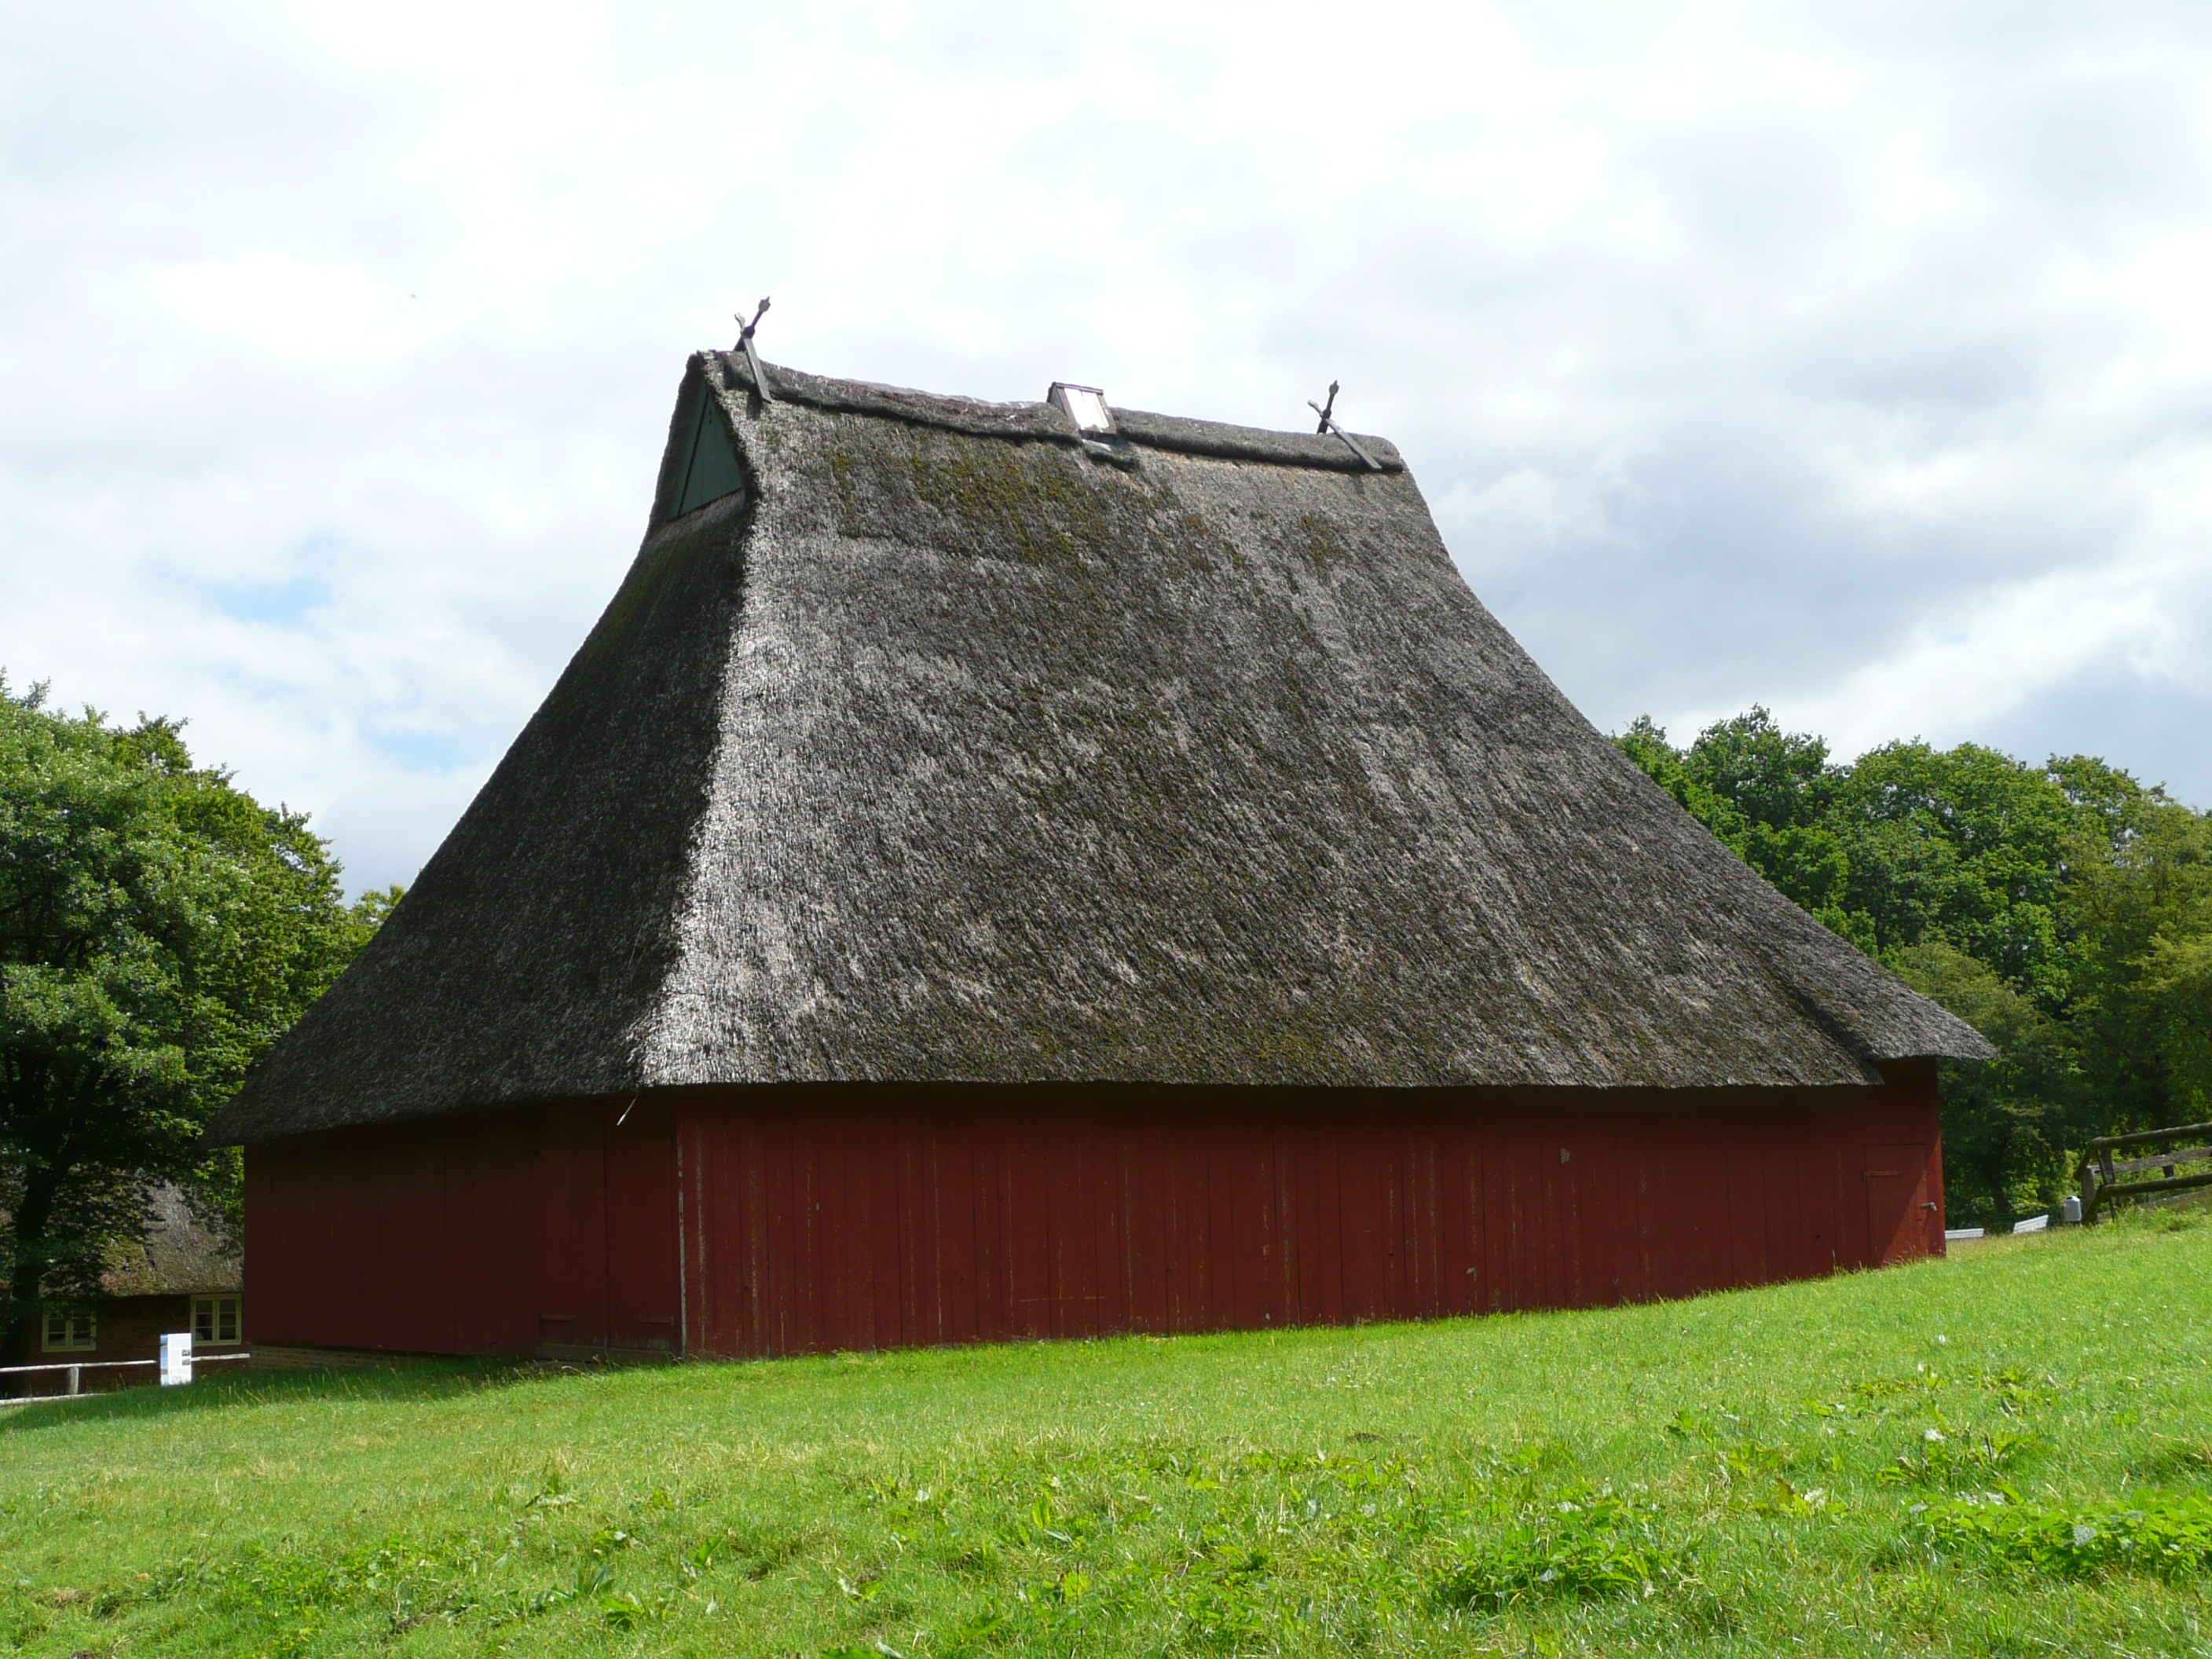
<point x="180" y="1252"/>
<point x="951" y="746"/>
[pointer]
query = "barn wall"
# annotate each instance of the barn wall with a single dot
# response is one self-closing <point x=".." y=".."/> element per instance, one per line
<point x="816" y="1218"/>
<point x="541" y="1229"/>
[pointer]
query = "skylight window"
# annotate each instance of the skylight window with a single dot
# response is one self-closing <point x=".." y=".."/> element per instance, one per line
<point x="1084" y="405"/>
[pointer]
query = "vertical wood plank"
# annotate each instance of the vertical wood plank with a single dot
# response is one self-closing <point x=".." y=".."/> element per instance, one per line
<point x="879" y="1221"/>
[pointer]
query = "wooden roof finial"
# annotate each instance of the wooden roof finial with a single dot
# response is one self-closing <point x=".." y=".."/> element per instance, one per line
<point x="752" y="357"/>
<point x="1329" y="424"/>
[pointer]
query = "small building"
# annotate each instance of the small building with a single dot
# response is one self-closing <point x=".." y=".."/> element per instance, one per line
<point x="1043" y="870"/>
<point x="184" y="1276"/>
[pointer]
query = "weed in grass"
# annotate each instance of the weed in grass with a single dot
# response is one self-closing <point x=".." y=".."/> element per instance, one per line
<point x="1587" y="1546"/>
<point x="1917" y="1602"/>
<point x="2161" y="1535"/>
<point x="1922" y="1381"/>
<point x="626" y="1610"/>
<point x="1998" y="1632"/>
<point x="1225" y="1605"/>
<point x="1786" y="1497"/>
<point x="1952" y="1458"/>
<point x="1751" y="1461"/>
<point x="2017" y="1393"/>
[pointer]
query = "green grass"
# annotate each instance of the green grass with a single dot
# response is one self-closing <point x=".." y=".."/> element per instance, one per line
<point x="1814" y="1469"/>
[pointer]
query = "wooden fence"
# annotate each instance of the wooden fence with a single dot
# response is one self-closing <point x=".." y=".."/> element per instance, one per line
<point x="2105" y="1177"/>
<point x="74" y="1369"/>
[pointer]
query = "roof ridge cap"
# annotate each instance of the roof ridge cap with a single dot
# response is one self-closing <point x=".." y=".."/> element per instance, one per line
<point x="1039" y="421"/>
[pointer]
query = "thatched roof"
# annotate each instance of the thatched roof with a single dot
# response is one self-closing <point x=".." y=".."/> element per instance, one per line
<point x="954" y="746"/>
<point x="180" y="1253"/>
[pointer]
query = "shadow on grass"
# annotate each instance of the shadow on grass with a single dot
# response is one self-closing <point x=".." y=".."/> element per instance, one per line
<point x="409" y="1380"/>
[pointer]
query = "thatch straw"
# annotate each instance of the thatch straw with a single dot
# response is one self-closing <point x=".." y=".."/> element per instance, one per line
<point x="951" y="748"/>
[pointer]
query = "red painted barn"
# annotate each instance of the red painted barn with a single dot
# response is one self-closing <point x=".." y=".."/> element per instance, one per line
<point x="1033" y="870"/>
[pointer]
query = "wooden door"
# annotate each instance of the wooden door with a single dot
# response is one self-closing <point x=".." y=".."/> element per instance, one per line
<point x="571" y="1257"/>
<point x="643" y="1293"/>
<point x="1902" y="1217"/>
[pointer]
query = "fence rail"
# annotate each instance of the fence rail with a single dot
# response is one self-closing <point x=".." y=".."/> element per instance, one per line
<point x="2101" y="1183"/>
<point x="76" y="1368"/>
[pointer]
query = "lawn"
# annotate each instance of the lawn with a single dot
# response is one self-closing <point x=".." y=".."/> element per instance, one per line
<point x="2008" y="1453"/>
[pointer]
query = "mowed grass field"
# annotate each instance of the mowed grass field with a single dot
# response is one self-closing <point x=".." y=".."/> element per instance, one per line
<point x="2009" y="1453"/>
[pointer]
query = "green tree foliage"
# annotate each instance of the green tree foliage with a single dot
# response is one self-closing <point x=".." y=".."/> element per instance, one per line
<point x="1770" y="795"/>
<point x="1965" y="845"/>
<point x="2064" y="910"/>
<point x="2144" y="914"/>
<point x="2014" y="1118"/>
<point x="158" y="928"/>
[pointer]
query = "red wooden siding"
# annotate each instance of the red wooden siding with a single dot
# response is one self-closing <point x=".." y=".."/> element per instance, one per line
<point x="793" y="1221"/>
<point x="485" y="1232"/>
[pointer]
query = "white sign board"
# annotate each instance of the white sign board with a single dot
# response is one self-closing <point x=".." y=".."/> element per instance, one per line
<point x="176" y="1357"/>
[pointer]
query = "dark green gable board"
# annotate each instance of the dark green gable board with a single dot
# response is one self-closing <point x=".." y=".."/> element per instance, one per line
<point x="710" y="469"/>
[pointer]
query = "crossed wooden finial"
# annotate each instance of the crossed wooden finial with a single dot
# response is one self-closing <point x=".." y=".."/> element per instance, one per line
<point x="1329" y="424"/>
<point x="752" y="357"/>
<point x="1323" y="411"/>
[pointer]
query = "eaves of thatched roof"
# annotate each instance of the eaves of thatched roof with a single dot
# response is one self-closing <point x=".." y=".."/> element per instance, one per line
<point x="952" y="747"/>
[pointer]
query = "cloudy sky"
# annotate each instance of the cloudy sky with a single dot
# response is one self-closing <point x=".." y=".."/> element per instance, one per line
<point x="1856" y="360"/>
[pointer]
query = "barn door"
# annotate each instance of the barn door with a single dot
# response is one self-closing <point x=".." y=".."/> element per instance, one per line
<point x="642" y="1292"/>
<point x="571" y="1258"/>
<point x="1902" y="1217"/>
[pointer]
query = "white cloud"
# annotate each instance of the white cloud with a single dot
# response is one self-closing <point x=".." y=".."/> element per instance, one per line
<point x="285" y="308"/>
<point x="2021" y="641"/>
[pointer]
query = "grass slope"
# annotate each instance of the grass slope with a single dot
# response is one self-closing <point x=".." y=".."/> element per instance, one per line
<point x="1805" y="1469"/>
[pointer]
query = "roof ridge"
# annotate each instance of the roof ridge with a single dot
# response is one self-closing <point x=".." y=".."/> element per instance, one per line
<point x="979" y="417"/>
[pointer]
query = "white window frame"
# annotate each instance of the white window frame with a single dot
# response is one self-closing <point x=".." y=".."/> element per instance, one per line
<point x="80" y="1332"/>
<point x="214" y="1304"/>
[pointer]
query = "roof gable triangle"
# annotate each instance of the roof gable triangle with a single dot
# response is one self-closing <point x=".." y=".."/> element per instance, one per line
<point x="710" y="469"/>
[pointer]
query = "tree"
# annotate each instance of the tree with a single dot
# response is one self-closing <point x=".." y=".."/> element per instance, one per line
<point x="1779" y="779"/>
<point x="1968" y="846"/>
<point x="2007" y="1124"/>
<point x="2064" y="910"/>
<point x="158" y="928"/>
<point x="2179" y="981"/>
<point x="2143" y="913"/>
<point x="1785" y="790"/>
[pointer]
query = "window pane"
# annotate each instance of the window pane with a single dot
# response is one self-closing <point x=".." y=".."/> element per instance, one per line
<point x="225" y="1324"/>
<point x="1088" y="408"/>
<point x="203" y="1318"/>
